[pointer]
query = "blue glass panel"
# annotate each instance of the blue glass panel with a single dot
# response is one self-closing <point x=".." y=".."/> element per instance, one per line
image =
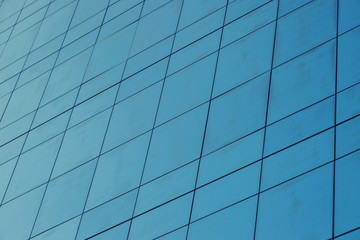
<point x="348" y="14"/>
<point x="132" y="117"/>
<point x="107" y="215"/>
<point x="350" y="236"/>
<point x="347" y="194"/>
<point x="192" y="84"/>
<point x="111" y="172"/>
<point x="156" y="26"/>
<point x="176" y="143"/>
<point x="81" y="143"/>
<point x="236" y="222"/>
<point x="193" y="10"/>
<point x="300" y="209"/>
<point x="119" y="232"/>
<point x="33" y="168"/>
<point x="299" y="126"/>
<point x="12" y="226"/>
<point x="297" y="32"/>
<point x="6" y="171"/>
<point x="166" y="188"/>
<point x="226" y="191"/>
<point x="349" y="59"/>
<point x="248" y="23"/>
<point x="245" y="59"/>
<point x="298" y="159"/>
<point x="11" y="149"/>
<point x="348" y="104"/>
<point x="87" y="8"/>
<point x="287" y="6"/>
<point x="238" y="8"/>
<point x="347" y="137"/>
<point x="302" y="82"/>
<point x="64" y="198"/>
<point x="161" y="220"/>
<point x="230" y="158"/>
<point x="66" y="230"/>
<point x="237" y="113"/>
<point x="179" y="234"/>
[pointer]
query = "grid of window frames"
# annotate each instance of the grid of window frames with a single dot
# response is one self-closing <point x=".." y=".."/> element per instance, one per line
<point x="179" y="119"/>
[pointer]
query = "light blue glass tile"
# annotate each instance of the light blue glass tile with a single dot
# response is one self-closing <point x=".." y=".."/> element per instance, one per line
<point x="32" y="8"/>
<point x="25" y="99"/>
<point x="237" y="113"/>
<point x="299" y="126"/>
<point x="244" y="59"/>
<point x="11" y="149"/>
<point x="143" y="79"/>
<point x="148" y="57"/>
<point x="65" y="198"/>
<point x="12" y="69"/>
<point x="37" y="69"/>
<point x="235" y="222"/>
<point x="347" y="137"/>
<point x="55" y="107"/>
<point x="287" y="6"/>
<point x="166" y="188"/>
<point x="15" y="129"/>
<point x="230" y="158"/>
<point x="76" y="47"/>
<point x="156" y="26"/>
<point x="348" y="104"/>
<point x="238" y="8"/>
<point x="66" y="76"/>
<point x="300" y="209"/>
<point x="176" y="143"/>
<point x="12" y="226"/>
<point x="302" y="82"/>
<point x="110" y="51"/>
<point x="226" y="191"/>
<point x="350" y="236"/>
<point x="349" y="59"/>
<point x="29" y="21"/>
<point x="93" y="106"/>
<point x="9" y="7"/>
<point x="347" y="196"/>
<point x="119" y="170"/>
<point x="81" y="143"/>
<point x="187" y="89"/>
<point x="348" y="14"/>
<point x="120" y="7"/>
<point x="86" y="9"/>
<point x="179" y="234"/>
<point x="33" y="168"/>
<point x="304" y="29"/>
<point x="161" y="220"/>
<point x="84" y="28"/>
<point x="54" y="25"/>
<point x="194" y="52"/>
<point x="298" y="159"/>
<point x="46" y="131"/>
<point x="133" y="117"/>
<point x="18" y="46"/>
<point x="6" y="171"/>
<point x="66" y="230"/>
<point x="107" y="215"/>
<point x="119" y="232"/>
<point x="100" y="83"/>
<point x="199" y="29"/>
<point x="7" y="86"/>
<point x="120" y="21"/>
<point x="151" y="5"/>
<point x="194" y="10"/>
<point x="250" y="22"/>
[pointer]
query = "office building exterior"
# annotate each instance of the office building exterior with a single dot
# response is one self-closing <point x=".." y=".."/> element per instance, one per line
<point x="179" y="119"/>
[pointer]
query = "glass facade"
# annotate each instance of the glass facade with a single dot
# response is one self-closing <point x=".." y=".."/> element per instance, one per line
<point x="179" y="119"/>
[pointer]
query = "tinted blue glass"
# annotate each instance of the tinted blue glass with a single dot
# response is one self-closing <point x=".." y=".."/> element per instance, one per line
<point x="6" y="171"/>
<point x="349" y="59"/>
<point x="347" y="103"/>
<point x="175" y="143"/>
<point x="297" y="32"/>
<point x="66" y="230"/>
<point x="235" y="222"/>
<point x="237" y="113"/>
<point x="348" y="14"/>
<point x="245" y="59"/>
<point x="348" y="137"/>
<point x="347" y="196"/>
<point x="302" y="208"/>
<point x="64" y="198"/>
